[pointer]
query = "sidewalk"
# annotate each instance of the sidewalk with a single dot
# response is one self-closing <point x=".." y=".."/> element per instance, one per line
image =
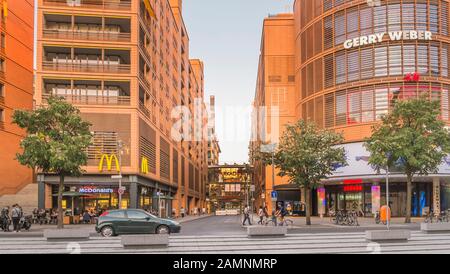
<point x="37" y="230"/>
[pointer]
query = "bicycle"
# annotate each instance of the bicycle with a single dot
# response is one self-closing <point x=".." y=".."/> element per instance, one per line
<point x="286" y="222"/>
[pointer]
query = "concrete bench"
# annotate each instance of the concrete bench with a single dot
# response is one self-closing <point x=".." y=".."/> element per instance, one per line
<point x="145" y="241"/>
<point x="388" y="235"/>
<point x="435" y="227"/>
<point x="266" y="231"/>
<point x="66" y="234"/>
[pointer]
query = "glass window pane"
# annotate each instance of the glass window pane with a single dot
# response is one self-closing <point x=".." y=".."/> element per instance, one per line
<point x="354" y="105"/>
<point x="422" y="59"/>
<point x="394" y="17"/>
<point x="367" y="63"/>
<point x="352" y="24"/>
<point x="353" y="65"/>
<point x="434" y="60"/>
<point x="444" y="61"/>
<point x="380" y="61"/>
<point x="340" y="68"/>
<point x="408" y="16"/>
<point x="365" y="21"/>
<point x="434" y="18"/>
<point x="409" y="59"/>
<point x="339" y="28"/>
<point x="444" y="18"/>
<point x="341" y="108"/>
<point x="381" y="102"/>
<point x="421" y="16"/>
<point x="395" y="60"/>
<point x="379" y="18"/>
<point x="367" y="114"/>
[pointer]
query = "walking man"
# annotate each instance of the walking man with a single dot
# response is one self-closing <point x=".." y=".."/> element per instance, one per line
<point x="246" y="215"/>
<point x="16" y="213"/>
<point x="261" y="215"/>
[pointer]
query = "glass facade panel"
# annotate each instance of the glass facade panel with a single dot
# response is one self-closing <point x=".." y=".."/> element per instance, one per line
<point x="339" y="28"/>
<point x="380" y="61"/>
<point x="395" y="60"/>
<point x="353" y="66"/>
<point x="341" y="68"/>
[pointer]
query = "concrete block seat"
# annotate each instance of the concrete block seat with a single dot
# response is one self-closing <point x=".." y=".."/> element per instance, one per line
<point x="266" y="231"/>
<point x="66" y="234"/>
<point x="145" y="241"/>
<point x="435" y="227"/>
<point x="388" y="235"/>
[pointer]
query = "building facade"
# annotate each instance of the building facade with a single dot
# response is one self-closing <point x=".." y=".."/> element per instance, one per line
<point x="353" y="59"/>
<point x="213" y="142"/>
<point x="16" y="92"/>
<point x="274" y="101"/>
<point x="125" y="64"/>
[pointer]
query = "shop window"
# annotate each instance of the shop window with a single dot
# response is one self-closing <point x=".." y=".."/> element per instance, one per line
<point x="367" y="63"/>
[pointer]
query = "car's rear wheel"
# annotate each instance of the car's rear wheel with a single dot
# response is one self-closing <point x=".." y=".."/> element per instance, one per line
<point x="107" y="231"/>
<point x="162" y="229"/>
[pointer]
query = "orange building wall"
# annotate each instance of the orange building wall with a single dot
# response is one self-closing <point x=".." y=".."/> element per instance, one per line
<point x="275" y="88"/>
<point x="18" y="90"/>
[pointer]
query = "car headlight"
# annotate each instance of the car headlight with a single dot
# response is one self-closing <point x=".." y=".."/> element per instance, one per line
<point x="175" y="223"/>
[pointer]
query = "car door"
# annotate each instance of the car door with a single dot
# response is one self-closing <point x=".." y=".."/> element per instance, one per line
<point x="140" y="222"/>
<point x="118" y="221"/>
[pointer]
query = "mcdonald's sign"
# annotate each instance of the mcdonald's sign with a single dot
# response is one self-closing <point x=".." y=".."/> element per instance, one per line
<point x="109" y="162"/>
<point x="144" y="165"/>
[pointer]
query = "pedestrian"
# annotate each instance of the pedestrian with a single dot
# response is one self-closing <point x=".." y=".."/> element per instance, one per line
<point x="203" y="211"/>
<point x="182" y="212"/>
<point x="261" y="215"/>
<point x="274" y="217"/>
<point x="247" y="215"/>
<point x="15" y="215"/>
<point x="5" y="219"/>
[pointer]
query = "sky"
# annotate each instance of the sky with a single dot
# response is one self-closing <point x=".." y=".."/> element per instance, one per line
<point x="226" y="35"/>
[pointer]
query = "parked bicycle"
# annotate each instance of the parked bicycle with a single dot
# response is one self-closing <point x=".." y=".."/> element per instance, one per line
<point x="342" y="217"/>
<point x="431" y="217"/>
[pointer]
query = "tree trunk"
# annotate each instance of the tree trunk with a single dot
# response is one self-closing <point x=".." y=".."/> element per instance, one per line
<point x="60" y="197"/>
<point x="308" y="205"/>
<point x="408" y="198"/>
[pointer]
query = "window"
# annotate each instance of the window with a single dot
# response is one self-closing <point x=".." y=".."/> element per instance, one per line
<point x="328" y="32"/>
<point x="394" y="17"/>
<point x="353" y="66"/>
<point x="408" y="16"/>
<point x="132" y="214"/>
<point x="422" y="59"/>
<point x="3" y="41"/>
<point x="354" y="107"/>
<point x="379" y="18"/>
<point x="421" y="16"/>
<point x="341" y="68"/>
<point x="339" y="28"/>
<point x="381" y="102"/>
<point x="367" y="114"/>
<point x="445" y="103"/>
<point x="2" y="90"/>
<point x="367" y="63"/>
<point x="434" y="60"/>
<point x="329" y="110"/>
<point x="2" y="115"/>
<point x="444" y="61"/>
<point x="434" y="18"/>
<point x="365" y="21"/>
<point x="395" y="60"/>
<point x="341" y="108"/>
<point x="117" y="214"/>
<point x="409" y="59"/>
<point x="329" y="70"/>
<point x="380" y="61"/>
<point x="352" y="24"/>
<point x="444" y="18"/>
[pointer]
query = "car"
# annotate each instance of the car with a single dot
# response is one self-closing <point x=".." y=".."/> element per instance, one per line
<point x="133" y="221"/>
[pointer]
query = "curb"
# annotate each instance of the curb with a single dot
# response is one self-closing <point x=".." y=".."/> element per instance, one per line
<point x="181" y="221"/>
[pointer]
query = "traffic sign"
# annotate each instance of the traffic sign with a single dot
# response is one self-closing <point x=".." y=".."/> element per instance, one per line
<point x="274" y="195"/>
<point x="121" y="190"/>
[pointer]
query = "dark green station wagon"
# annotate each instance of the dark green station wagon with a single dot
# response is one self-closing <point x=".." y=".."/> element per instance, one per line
<point x="133" y="221"/>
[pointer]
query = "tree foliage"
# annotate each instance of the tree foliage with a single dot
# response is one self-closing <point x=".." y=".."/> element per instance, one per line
<point x="57" y="139"/>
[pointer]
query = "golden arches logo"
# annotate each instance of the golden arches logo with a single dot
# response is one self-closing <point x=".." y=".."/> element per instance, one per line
<point x="144" y="165"/>
<point x="109" y="162"/>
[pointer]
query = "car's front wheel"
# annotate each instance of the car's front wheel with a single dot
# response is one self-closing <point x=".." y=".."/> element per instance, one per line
<point x="162" y="229"/>
<point x="107" y="231"/>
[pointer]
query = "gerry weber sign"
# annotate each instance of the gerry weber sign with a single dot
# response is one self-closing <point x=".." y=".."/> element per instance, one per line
<point x="393" y="36"/>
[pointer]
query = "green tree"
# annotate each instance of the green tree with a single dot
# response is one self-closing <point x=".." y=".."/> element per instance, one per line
<point x="56" y="142"/>
<point x="307" y="155"/>
<point x="410" y="138"/>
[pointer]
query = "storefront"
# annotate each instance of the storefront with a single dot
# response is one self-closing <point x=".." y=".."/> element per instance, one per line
<point x="101" y="193"/>
<point x="359" y="187"/>
<point x="289" y="197"/>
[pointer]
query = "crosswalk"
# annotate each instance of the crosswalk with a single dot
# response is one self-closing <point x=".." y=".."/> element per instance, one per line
<point x="239" y="244"/>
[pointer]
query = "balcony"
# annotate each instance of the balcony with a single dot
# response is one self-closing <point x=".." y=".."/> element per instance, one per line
<point x="90" y="60"/>
<point x="71" y="34"/>
<point x="91" y="4"/>
<point x="144" y="109"/>
<point x="85" y="92"/>
<point x="92" y="28"/>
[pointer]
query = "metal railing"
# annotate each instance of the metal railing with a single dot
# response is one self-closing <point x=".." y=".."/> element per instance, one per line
<point x="80" y="67"/>
<point x="94" y="100"/>
<point x="102" y="4"/>
<point x="144" y="80"/>
<point x="144" y="109"/>
<point x="86" y="35"/>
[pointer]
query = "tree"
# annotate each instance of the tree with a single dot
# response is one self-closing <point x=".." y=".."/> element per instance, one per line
<point x="410" y="138"/>
<point x="57" y="141"/>
<point x="307" y="155"/>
